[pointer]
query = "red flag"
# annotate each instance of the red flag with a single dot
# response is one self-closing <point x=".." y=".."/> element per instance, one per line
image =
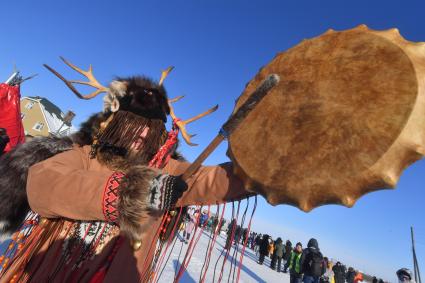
<point x="10" y="114"/>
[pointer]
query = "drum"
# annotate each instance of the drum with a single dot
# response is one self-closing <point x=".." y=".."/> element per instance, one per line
<point x="345" y="119"/>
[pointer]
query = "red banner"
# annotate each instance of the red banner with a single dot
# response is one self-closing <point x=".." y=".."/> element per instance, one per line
<point x="10" y="114"/>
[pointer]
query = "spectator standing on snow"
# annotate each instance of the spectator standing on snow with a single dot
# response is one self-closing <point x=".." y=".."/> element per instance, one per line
<point x="252" y="240"/>
<point x="190" y="220"/>
<point x="295" y="265"/>
<point x="358" y="278"/>
<point x="287" y="255"/>
<point x="271" y="248"/>
<point x="277" y="255"/>
<point x="231" y="231"/>
<point x="244" y="235"/>
<point x="311" y="262"/>
<point x="203" y="219"/>
<point x="238" y="234"/>
<point x="257" y="243"/>
<point x="329" y="275"/>
<point x="264" y="248"/>
<point x="351" y="273"/>
<point x="339" y="272"/>
<point x="404" y="275"/>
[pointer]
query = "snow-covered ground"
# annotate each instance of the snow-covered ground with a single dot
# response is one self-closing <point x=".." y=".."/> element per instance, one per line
<point x="251" y="271"/>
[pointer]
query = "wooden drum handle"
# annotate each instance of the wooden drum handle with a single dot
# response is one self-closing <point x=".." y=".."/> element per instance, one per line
<point x="233" y="122"/>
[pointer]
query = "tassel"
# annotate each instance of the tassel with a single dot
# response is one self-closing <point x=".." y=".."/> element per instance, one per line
<point x="216" y="232"/>
<point x="164" y="153"/>
<point x="231" y="241"/>
<point x="246" y="240"/>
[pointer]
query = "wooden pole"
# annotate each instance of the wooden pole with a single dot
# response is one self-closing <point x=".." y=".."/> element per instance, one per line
<point x="415" y="260"/>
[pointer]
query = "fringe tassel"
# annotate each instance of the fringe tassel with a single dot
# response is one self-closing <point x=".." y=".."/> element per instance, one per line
<point x="246" y="239"/>
<point x="224" y="250"/>
<point x="46" y="231"/>
<point x="236" y="249"/>
<point x="210" y="240"/>
<point x="217" y="231"/>
<point x="147" y="267"/>
<point x="231" y="241"/>
<point x="169" y="241"/>
<point x="164" y="153"/>
<point x="174" y="243"/>
<point x="182" y="265"/>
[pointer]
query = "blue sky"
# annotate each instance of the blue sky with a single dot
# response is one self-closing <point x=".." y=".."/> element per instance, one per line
<point x="217" y="47"/>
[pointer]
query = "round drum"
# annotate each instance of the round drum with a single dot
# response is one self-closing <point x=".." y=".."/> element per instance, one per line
<point x="346" y="119"/>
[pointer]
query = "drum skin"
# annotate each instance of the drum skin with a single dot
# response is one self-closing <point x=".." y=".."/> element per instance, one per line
<point x="345" y="119"/>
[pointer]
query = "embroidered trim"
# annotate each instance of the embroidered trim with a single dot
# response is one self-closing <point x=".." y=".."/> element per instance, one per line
<point x="110" y="197"/>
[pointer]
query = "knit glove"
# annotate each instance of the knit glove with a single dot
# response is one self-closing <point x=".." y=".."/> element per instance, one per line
<point x="164" y="191"/>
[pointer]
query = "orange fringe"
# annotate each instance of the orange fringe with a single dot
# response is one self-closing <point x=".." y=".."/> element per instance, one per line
<point x="43" y="233"/>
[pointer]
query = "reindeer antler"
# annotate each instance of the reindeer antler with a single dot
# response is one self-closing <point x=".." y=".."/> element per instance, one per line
<point x="88" y="74"/>
<point x="164" y="74"/>
<point x="182" y="124"/>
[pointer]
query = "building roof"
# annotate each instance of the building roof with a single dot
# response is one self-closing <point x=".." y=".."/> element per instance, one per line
<point x="54" y="116"/>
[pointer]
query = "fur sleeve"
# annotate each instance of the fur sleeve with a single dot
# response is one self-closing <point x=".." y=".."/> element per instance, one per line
<point x="133" y="206"/>
<point x="14" y="167"/>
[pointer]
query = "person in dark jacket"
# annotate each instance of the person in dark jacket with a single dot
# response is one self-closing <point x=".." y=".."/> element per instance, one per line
<point x="238" y="235"/>
<point x="231" y="231"/>
<point x="264" y="248"/>
<point x="257" y="244"/>
<point x="294" y="264"/>
<point x="4" y="140"/>
<point x="311" y="262"/>
<point x="277" y="255"/>
<point x="339" y="272"/>
<point x="351" y="273"/>
<point x="287" y="255"/>
<point x="404" y="275"/>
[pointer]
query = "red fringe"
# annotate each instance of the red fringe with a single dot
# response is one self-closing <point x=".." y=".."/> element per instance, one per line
<point x="163" y="155"/>
<point x="170" y="240"/>
<point x="246" y="240"/>
<point x="213" y="242"/>
<point x="192" y="246"/>
<point x="231" y="243"/>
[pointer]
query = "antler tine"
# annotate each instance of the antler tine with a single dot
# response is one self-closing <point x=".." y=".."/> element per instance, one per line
<point x="88" y="74"/>
<point x="164" y="74"/>
<point x="182" y="124"/>
<point x="209" y="111"/>
<point x="175" y="99"/>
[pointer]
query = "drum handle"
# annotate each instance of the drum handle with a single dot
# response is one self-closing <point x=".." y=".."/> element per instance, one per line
<point x="233" y="122"/>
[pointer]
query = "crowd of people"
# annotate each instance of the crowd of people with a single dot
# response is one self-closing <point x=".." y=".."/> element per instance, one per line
<point x="304" y="265"/>
<point x="307" y="265"/>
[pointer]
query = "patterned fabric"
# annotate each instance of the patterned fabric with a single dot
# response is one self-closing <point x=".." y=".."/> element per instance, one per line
<point x="165" y="191"/>
<point x="110" y="197"/>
